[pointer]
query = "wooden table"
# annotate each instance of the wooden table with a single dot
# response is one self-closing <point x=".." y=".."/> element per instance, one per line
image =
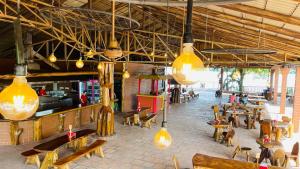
<point x="201" y="161"/>
<point x="257" y="101"/>
<point x="272" y="144"/>
<point x="280" y="125"/>
<point x="51" y="147"/>
<point x="218" y="128"/>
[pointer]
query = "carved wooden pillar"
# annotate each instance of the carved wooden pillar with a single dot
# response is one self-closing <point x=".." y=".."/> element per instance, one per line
<point x="284" y="72"/>
<point x="15" y="133"/>
<point x="105" y="121"/>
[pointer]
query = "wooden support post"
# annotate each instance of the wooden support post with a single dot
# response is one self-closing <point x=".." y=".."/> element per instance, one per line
<point x="105" y="121"/>
<point x="271" y="79"/>
<point x="221" y="79"/>
<point x="284" y="72"/>
<point x="37" y="129"/>
<point x="296" y="106"/>
<point x="276" y="86"/>
<point x="15" y="133"/>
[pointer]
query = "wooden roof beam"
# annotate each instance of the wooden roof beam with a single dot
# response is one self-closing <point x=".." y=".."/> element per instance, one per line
<point x="247" y="22"/>
<point x="263" y="13"/>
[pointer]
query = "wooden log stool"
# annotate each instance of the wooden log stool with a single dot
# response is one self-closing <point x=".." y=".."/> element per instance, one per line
<point x="239" y="149"/>
<point x="32" y="157"/>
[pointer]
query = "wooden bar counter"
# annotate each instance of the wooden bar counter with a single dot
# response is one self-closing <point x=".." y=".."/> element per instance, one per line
<point x="47" y="123"/>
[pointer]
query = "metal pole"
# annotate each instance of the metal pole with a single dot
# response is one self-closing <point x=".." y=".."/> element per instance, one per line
<point x="164" y="122"/>
<point x="21" y="69"/>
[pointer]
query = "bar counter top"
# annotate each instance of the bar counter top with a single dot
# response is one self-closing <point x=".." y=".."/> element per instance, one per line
<point x="47" y="123"/>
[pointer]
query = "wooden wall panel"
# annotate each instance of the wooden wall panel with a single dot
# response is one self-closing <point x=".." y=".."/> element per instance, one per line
<point x="4" y="133"/>
<point x="49" y="126"/>
<point x="131" y="84"/>
<point x="70" y="119"/>
<point x="85" y="115"/>
<point x="27" y="135"/>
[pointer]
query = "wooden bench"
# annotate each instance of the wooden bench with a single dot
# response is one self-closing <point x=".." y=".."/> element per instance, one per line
<point x="32" y="157"/>
<point x="146" y="121"/>
<point x="127" y="117"/>
<point x="95" y="147"/>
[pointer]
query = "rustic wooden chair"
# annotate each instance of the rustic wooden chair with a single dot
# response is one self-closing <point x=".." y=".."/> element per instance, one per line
<point x="294" y="155"/>
<point x="266" y="129"/>
<point x="239" y="149"/>
<point x="217" y="113"/>
<point x="279" y="158"/>
<point x="228" y="137"/>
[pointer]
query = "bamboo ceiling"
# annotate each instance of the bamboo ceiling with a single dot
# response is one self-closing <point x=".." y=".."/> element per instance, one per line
<point x="259" y="24"/>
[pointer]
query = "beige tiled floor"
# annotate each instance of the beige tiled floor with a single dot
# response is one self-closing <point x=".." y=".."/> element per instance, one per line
<point x="132" y="148"/>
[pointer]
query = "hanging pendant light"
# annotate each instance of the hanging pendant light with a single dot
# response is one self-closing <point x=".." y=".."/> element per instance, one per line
<point x="19" y="101"/>
<point x="52" y="58"/>
<point x="113" y="51"/>
<point x="100" y="66"/>
<point x="90" y="54"/>
<point x="126" y="75"/>
<point x="79" y="63"/>
<point x="187" y="66"/>
<point x="162" y="138"/>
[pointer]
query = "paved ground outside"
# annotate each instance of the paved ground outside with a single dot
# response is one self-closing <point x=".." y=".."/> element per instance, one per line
<point x="132" y="147"/>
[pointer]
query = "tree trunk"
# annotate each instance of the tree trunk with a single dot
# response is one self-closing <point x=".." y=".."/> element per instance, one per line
<point x="241" y="81"/>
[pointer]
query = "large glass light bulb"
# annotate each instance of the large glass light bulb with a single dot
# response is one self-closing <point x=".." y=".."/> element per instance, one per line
<point x="52" y="58"/>
<point x="162" y="138"/>
<point x="79" y="63"/>
<point x="187" y="66"/>
<point x="126" y="75"/>
<point x="18" y="101"/>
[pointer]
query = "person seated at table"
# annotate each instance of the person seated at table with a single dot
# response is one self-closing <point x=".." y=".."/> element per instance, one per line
<point x="232" y="98"/>
<point x="265" y="155"/>
<point x="232" y="120"/>
<point x="244" y="99"/>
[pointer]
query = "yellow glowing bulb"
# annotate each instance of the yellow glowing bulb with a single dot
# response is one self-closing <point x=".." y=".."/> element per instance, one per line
<point x="100" y="66"/>
<point x="152" y="53"/>
<point x="79" y="63"/>
<point x="187" y="66"/>
<point x="162" y="139"/>
<point x="52" y="58"/>
<point x="18" y="101"/>
<point x="166" y="55"/>
<point x="126" y="75"/>
<point x="90" y="54"/>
